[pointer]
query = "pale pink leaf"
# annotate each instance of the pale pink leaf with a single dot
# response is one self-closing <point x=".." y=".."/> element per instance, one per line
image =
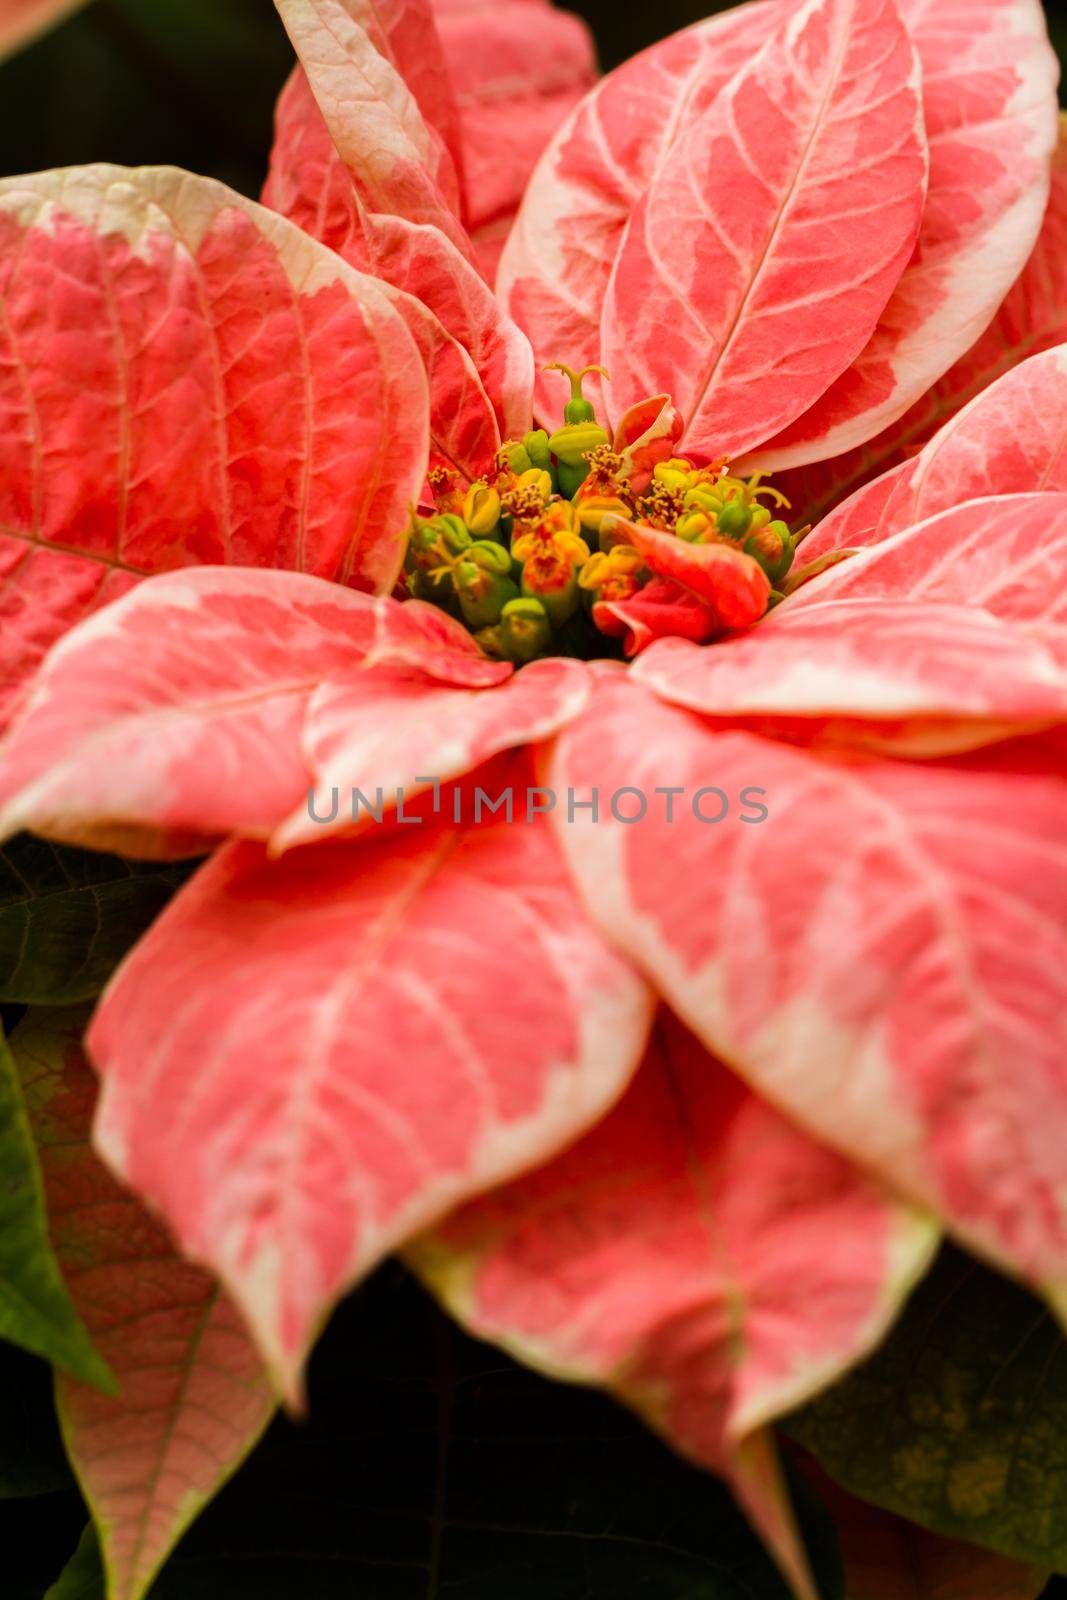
<point x="399" y="164"/>
<point x="389" y="734"/>
<point x="408" y="34"/>
<point x="21" y="21"/>
<point x="759" y="261"/>
<point x="930" y="677"/>
<point x="310" y="184"/>
<point x="176" y="715"/>
<point x="1011" y="439"/>
<point x="1032" y="317"/>
<point x="317" y="179"/>
<point x="516" y="72"/>
<point x="1006" y="553"/>
<point x="696" y="1255"/>
<point x="337" y="1070"/>
<point x="194" y="1396"/>
<point x="857" y="521"/>
<point x="989" y="103"/>
<point x="187" y="378"/>
<point x="557" y="261"/>
<point x="883" y="955"/>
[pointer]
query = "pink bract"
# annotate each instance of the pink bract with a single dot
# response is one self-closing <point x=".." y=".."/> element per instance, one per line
<point x="828" y="959"/>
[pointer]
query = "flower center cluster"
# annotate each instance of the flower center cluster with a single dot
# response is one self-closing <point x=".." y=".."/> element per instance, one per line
<point x="536" y="557"/>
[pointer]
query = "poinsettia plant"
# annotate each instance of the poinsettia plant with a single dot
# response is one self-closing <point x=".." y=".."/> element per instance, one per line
<point x="584" y="562"/>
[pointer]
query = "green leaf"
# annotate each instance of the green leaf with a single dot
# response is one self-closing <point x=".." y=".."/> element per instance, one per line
<point x="35" y="1309"/>
<point x="433" y="1468"/>
<point x="83" y="1577"/>
<point x="959" y="1421"/>
<point x="67" y="917"/>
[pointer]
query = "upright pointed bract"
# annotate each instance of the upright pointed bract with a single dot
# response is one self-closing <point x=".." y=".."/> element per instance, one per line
<point x="1032" y="317"/>
<point x="695" y="1255"/>
<point x="556" y="264"/>
<point x="749" y="275"/>
<point x="403" y="223"/>
<point x="515" y="74"/>
<point x="991" y="124"/>
<point x="193" y="1395"/>
<point x="187" y="378"/>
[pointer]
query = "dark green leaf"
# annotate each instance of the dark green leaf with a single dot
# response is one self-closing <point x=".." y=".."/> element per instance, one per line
<point x="83" y="1576"/>
<point x="67" y="917"/>
<point x="433" y="1468"/>
<point x="959" y="1421"/>
<point x="35" y="1309"/>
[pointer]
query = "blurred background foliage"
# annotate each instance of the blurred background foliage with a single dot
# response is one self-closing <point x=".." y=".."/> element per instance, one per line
<point x="193" y="82"/>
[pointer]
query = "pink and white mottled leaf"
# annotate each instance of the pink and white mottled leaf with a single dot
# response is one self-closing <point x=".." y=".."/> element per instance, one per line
<point x="1011" y="439"/>
<point x="310" y="184"/>
<point x="1006" y="553"/>
<point x="176" y="716"/>
<point x="696" y="1255"/>
<point x="932" y="677"/>
<point x="758" y="263"/>
<point x="383" y="730"/>
<point x="857" y="521"/>
<point x="396" y="224"/>
<point x="337" y="1069"/>
<point x="187" y="378"/>
<point x="556" y="264"/>
<point x="1031" y="318"/>
<point x="989" y="103"/>
<point x="194" y="1395"/>
<point x="408" y="34"/>
<point x="398" y="162"/>
<point x="515" y="73"/>
<point x="883" y="956"/>
<point x="21" y="21"/>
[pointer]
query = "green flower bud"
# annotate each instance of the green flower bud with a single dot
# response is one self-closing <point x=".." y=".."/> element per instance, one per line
<point x="525" y="630"/>
<point x="437" y="540"/>
<point x="735" y="519"/>
<point x="481" y="509"/>
<point x="773" y="547"/>
<point x="536" y="446"/>
<point x="484" y="584"/>
<point x="516" y="456"/>
<point x="694" y="526"/>
<point x="574" y="442"/>
<point x="703" y="498"/>
<point x="559" y="597"/>
<point x="491" y="641"/>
